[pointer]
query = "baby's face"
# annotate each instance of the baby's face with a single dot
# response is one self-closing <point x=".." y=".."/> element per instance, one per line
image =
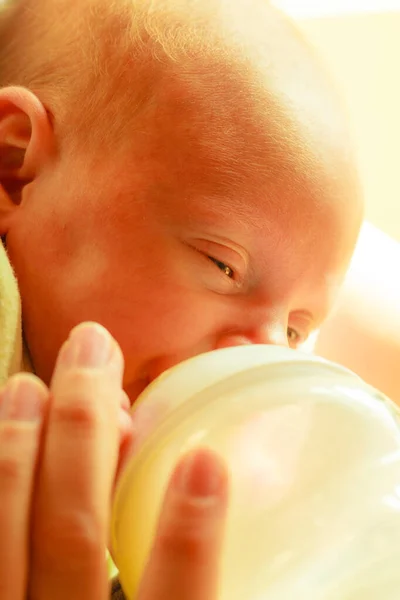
<point x="189" y="239"/>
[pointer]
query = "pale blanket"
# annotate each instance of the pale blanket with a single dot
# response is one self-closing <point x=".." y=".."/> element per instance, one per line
<point x="11" y="353"/>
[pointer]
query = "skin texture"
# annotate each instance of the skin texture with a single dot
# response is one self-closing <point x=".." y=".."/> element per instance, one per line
<point x="226" y="214"/>
<point x="129" y="240"/>
<point x="54" y="517"/>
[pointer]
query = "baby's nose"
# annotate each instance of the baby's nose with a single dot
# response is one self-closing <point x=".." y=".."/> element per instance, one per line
<point x="228" y="340"/>
<point x="274" y="335"/>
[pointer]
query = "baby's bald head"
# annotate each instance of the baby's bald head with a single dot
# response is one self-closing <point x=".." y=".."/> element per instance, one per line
<point x="190" y="182"/>
<point x="98" y="65"/>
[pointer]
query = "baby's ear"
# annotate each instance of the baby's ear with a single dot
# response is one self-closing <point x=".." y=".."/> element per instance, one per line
<point x="26" y="144"/>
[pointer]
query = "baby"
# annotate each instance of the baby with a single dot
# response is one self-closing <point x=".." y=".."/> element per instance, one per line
<point x="177" y="171"/>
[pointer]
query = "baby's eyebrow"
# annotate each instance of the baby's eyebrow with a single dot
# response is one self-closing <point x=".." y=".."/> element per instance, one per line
<point x="304" y="313"/>
<point x="317" y="313"/>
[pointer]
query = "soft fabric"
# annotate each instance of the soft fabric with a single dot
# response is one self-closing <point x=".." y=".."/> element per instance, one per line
<point x="13" y="357"/>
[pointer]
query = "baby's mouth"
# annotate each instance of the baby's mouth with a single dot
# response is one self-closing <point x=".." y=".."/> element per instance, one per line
<point x="137" y="387"/>
<point x="144" y="378"/>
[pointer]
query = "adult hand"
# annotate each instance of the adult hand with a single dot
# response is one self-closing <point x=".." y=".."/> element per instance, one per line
<point x="59" y="451"/>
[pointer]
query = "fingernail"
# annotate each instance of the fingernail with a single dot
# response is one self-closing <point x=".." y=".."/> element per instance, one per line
<point x="89" y="346"/>
<point x="202" y="475"/>
<point x="23" y="399"/>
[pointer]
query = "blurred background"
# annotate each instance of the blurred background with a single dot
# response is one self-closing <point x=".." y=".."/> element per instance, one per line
<point x="359" y="41"/>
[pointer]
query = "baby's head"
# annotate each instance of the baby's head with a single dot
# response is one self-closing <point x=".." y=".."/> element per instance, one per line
<point x="177" y="171"/>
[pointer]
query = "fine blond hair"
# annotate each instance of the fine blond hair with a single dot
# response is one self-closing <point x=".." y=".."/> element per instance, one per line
<point x="98" y="65"/>
<point x="86" y="57"/>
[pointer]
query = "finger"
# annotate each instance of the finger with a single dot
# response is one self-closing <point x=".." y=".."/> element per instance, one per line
<point x="22" y="407"/>
<point x="136" y="428"/>
<point x="125" y="420"/>
<point x="141" y="422"/>
<point x="126" y="448"/>
<point x="127" y="439"/>
<point x="78" y="469"/>
<point x="184" y="562"/>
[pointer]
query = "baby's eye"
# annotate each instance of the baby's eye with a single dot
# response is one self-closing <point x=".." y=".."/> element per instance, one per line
<point x="223" y="267"/>
<point x="293" y="336"/>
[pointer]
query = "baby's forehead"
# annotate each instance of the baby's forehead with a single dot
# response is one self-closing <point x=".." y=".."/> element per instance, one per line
<point x="232" y="141"/>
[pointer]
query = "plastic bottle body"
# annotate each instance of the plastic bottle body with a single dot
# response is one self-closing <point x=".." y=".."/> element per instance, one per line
<point x="314" y="460"/>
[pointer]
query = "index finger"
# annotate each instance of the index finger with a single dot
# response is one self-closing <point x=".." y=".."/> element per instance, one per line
<point x="79" y="461"/>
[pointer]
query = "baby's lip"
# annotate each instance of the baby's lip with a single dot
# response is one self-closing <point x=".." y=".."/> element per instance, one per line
<point x="139" y="384"/>
<point x="135" y="388"/>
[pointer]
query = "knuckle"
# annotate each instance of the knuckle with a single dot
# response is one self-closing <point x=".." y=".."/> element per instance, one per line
<point x="69" y="540"/>
<point x="189" y="536"/>
<point x="82" y="402"/>
<point x="13" y="433"/>
<point x="18" y="445"/>
<point x="79" y="411"/>
<point x="12" y="472"/>
<point x="185" y="545"/>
